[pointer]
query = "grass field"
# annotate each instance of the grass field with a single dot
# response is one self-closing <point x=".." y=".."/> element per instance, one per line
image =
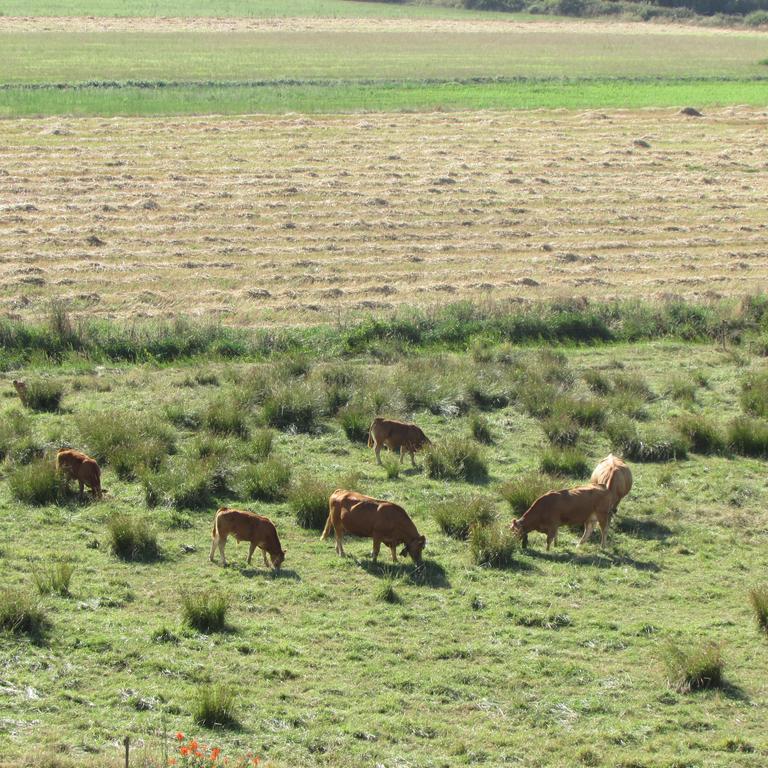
<point x="555" y="661"/>
<point x="256" y="220"/>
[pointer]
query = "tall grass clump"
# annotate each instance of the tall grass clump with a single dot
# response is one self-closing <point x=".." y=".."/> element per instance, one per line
<point x="702" y="435"/>
<point x="355" y="420"/>
<point x="754" y="394"/>
<point x="748" y="437"/>
<point x="54" y="580"/>
<point x="43" y="395"/>
<point x="455" y="458"/>
<point x="308" y="496"/>
<point x="391" y="466"/>
<point x="597" y="381"/>
<point x="570" y="462"/>
<point x="14" y="425"/>
<point x="36" y="483"/>
<point x="386" y="593"/>
<point x="293" y="407"/>
<point x="758" y="597"/>
<point x="560" y="429"/>
<point x="266" y="481"/>
<point x="226" y="416"/>
<point x="22" y="614"/>
<point x="694" y="667"/>
<point x="215" y="706"/>
<point x="181" y="416"/>
<point x="187" y="483"/>
<point x="205" y="611"/>
<point x="260" y="445"/>
<point x="682" y="388"/>
<point x="653" y="445"/>
<point x="480" y="429"/>
<point x="521" y="492"/>
<point x="493" y="545"/>
<point x="132" y="538"/>
<point x="457" y="516"/>
<point x="130" y="442"/>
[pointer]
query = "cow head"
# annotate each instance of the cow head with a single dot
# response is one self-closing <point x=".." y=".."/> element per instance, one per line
<point x="277" y="560"/>
<point x="414" y="548"/>
<point x="516" y="527"/>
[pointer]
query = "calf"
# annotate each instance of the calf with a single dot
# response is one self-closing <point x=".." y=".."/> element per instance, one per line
<point x="382" y="521"/>
<point x="585" y="506"/>
<point x="397" y="436"/>
<point x="616" y="476"/>
<point x="247" y="526"/>
<point x="21" y="390"/>
<point x="75" y="465"/>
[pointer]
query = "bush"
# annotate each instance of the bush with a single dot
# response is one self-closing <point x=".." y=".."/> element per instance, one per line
<point x="214" y="706"/>
<point x="260" y="446"/>
<point x="308" y="497"/>
<point x="480" y="429"/>
<point x="701" y="434"/>
<point x="693" y="668"/>
<point x="598" y="382"/>
<point x="457" y="516"/>
<point x="36" y="483"/>
<point x="570" y="462"/>
<point x="521" y="492"/>
<point x="186" y="484"/>
<point x="132" y="538"/>
<point x="493" y="545"/>
<point x="682" y="389"/>
<point x="758" y="597"/>
<point x="355" y="421"/>
<point x="21" y="614"/>
<point x="293" y="407"/>
<point x="757" y="19"/>
<point x="653" y="448"/>
<point x="754" y="395"/>
<point x="560" y="429"/>
<point x="267" y="481"/>
<point x="226" y="416"/>
<point x="43" y="395"/>
<point x="130" y="442"/>
<point x="748" y="437"/>
<point x="55" y="580"/>
<point x="455" y="458"/>
<point x="205" y="611"/>
<point x="632" y="384"/>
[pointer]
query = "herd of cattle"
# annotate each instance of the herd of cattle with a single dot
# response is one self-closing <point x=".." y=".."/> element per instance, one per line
<point x="386" y="522"/>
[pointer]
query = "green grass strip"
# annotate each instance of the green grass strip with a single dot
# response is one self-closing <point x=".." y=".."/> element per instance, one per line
<point x="158" y="98"/>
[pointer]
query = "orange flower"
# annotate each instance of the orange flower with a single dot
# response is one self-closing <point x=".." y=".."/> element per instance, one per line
<point x="193" y="745"/>
<point x="215" y="752"/>
<point x="171" y="761"/>
<point x="184" y="751"/>
<point x="255" y="760"/>
<point x="179" y="736"/>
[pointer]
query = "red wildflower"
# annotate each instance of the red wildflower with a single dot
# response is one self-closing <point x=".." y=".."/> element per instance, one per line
<point x="215" y="752"/>
<point x="184" y="751"/>
<point x="193" y="745"/>
<point x="179" y="736"/>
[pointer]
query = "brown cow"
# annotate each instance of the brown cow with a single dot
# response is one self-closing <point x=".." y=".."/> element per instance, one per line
<point x="584" y="505"/>
<point x="382" y="521"/>
<point x="616" y="476"/>
<point x="247" y="526"/>
<point x="397" y="436"/>
<point x="75" y="465"/>
<point x="21" y="390"/>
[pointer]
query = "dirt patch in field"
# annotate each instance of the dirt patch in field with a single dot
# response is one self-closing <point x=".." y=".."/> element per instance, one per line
<point x="290" y="220"/>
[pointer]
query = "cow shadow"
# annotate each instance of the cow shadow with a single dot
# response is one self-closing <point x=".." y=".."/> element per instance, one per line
<point x="429" y="573"/>
<point x="649" y="530"/>
<point x="602" y="559"/>
<point x="284" y="574"/>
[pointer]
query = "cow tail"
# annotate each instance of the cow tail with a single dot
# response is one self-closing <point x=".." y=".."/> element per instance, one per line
<point x="215" y="532"/>
<point x="328" y="523"/>
<point x="370" y="436"/>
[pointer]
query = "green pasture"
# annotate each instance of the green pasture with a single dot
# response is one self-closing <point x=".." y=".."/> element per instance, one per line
<point x="387" y="97"/>
<point x="554" y="661"/>
<point x="238" y="9"/>
<point x="57" y="57"/>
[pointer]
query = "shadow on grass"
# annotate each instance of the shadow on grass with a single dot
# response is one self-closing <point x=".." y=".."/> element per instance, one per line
<point x="513" y="565"/>
<point x="429" y="573"/>
<point x="643" y="529"/>
<point x="287" y="574"/>
<point x="601" y="559"/>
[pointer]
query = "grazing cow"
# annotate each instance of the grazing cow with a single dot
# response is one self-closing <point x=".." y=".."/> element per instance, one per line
<point x="397" y="436"/>
<point x="75" y="465"/>
<point x="247" y="526"/>
<point x="21" y="390"/>
<point x="615" y="475"/>
<point x="574" y="506"/>
<point x="382" y="521"/>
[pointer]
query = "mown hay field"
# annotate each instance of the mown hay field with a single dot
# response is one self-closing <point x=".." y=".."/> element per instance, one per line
<point x="294" y="219"/>
<point x="556" y="659"/>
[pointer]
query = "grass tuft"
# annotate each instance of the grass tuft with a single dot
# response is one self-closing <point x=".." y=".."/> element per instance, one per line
<point x="22" y="614"/>
<point x="694" y="668"/>
<point x="205" y="611"/>
<point x="702" y="435"/>
<point x="391" y="466"/>
<point x="386" y="593"/>
<point x="226" y="416"/>
<point x="748" y="437"/>
<point x="132" y="538"/>
<point x="493" y="545"/>
<point x="260" y="445"/>
<point x="455" y="458"/>
<point x="355" y="421"/>
<point x="267" y="481"/>
<point x="569" y="462"/>
<point x="308" y="497"/>
<point x="456" y="517"/>
<point x="214" y="706"/>
<point x="293" y="407"/>
<point x="758" y="597"/>
<point x="36" y="483"/>
<point x="521" y="492"/>
<point x="55" y="580"/>
<point x="480" y="429"/>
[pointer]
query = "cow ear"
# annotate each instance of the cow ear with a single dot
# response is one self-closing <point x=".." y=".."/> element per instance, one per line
<point x="423" y="540"/>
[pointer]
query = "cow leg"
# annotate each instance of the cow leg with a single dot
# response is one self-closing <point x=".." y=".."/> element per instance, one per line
<point x="250" y="553"/>
<point x="264" y="553"/>
<point x="222" y="542"/>
<point x="524" y="541"/>
<point x="377" y="451"/>
<point x="589" y="526"/>
<point x="82" y="488"/>
<point x="339" y="545"/>
<point x="402" y="453"/>
<point x="603" y="533"/>
<point x="376" y="548"/>
<point x="393" y="549"/>
<point x="551" y="536"/>
<point x="413" y="459"/>
<point x="214" y="541"/>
